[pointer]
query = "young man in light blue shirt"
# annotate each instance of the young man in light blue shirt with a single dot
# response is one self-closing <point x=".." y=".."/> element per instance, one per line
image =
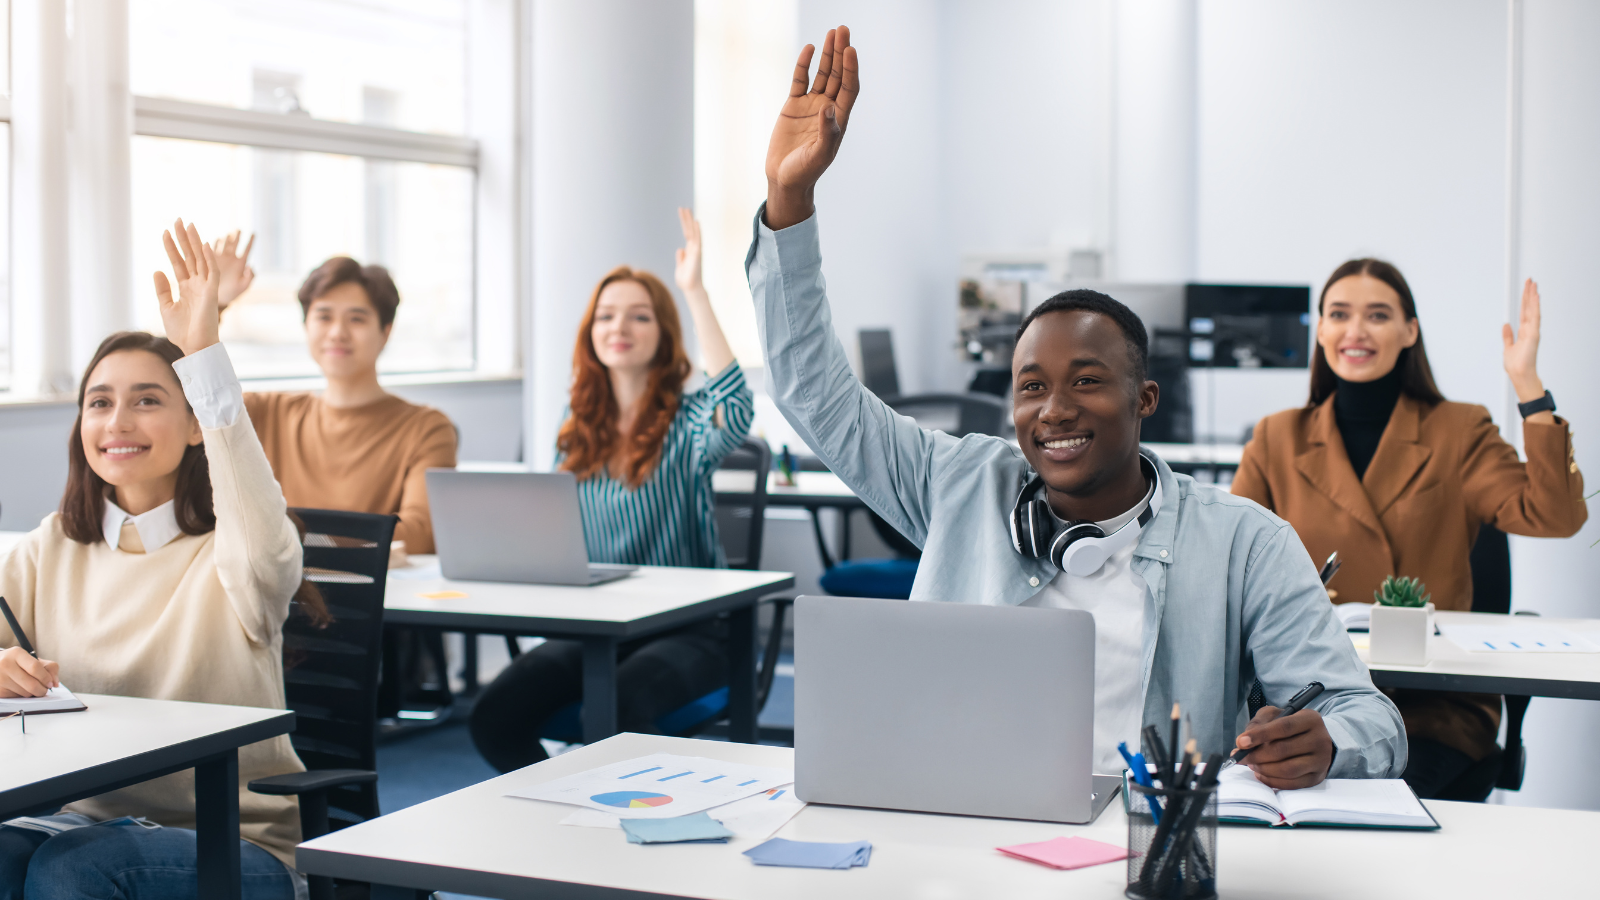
<point x="1200" y="594"/>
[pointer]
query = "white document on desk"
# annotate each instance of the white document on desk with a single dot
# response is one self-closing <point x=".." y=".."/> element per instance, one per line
<point x="58" y="699"/>
<point x="753" y="818"/>
<point x="1518" y="638"/>
<point x="659" y="786"/>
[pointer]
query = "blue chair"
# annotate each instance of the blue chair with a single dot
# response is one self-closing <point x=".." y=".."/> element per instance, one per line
<point x="954" y="414"/>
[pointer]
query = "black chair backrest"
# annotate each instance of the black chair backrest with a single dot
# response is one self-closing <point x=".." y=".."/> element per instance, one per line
<point x="331" y="674"/>
<point x="954" y="414"/>
<point x="1491" y="571"/>
<point x="877" y="361"/>
<point x="741" y="518"/>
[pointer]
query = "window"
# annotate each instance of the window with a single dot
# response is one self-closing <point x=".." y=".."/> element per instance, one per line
<point x="5" y="195"/>
<point x="322" y="128"/>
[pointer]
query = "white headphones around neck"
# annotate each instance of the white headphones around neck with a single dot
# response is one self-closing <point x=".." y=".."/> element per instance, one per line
<point x="1080" y="548"/>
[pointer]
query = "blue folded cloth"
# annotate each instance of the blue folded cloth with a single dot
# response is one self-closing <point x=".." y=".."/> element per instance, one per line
<point x="810" y="855"/>
<point x="698" y="828"/>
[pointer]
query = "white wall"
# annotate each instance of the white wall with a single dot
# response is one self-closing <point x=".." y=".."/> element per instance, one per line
<point x="612" y="144"/>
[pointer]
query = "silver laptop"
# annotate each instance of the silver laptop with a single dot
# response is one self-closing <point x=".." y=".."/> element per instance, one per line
<point x="946" y="708"/>
<point x="522" y="527"/>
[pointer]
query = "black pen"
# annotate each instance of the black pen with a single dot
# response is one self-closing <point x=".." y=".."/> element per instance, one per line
<point x="1296" y="703"/>
<point x="1329" y="568"/>
<point x="11" y="620"/>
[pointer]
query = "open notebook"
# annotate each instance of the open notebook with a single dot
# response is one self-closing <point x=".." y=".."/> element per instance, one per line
<point x="1339" y="802"/>
<point x="58" y="700"/>
<point x="1351" y="802"/>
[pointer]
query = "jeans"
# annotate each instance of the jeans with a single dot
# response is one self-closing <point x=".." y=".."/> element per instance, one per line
<point x="122" y="858"/>
<point x="655" y="676"/>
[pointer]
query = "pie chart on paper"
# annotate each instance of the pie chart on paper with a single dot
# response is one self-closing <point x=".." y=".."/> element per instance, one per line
<point x="631" y="799"/>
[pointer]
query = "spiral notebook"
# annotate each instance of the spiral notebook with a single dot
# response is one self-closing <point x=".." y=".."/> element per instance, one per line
<point x="58" y="700"/>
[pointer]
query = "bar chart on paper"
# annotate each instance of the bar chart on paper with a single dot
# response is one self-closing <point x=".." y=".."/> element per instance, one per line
<point x="660" y="786"/>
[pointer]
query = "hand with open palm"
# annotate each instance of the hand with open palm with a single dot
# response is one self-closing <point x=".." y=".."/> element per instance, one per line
<point x="237" y="276"/>
<point x="1522" y="352"/>
<point x="190" y="319"/>
<point x="810" y="128"/>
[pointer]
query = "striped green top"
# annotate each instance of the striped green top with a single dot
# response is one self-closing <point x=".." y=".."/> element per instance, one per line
<point x="670" y="520"/>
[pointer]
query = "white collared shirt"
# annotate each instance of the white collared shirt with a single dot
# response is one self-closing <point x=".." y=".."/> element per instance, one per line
<point x="214" y="393"/>
<point x="156" y="528"/>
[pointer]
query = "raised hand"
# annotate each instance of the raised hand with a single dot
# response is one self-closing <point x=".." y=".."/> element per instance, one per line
<point x="810" y="127"/>
<point x="191" y="318"/>
<point x="237" y="276"/>
<point x="1522" y="348"/>
<point x="687" y="274"/>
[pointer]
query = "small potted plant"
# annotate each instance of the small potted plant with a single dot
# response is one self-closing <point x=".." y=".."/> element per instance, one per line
<point x="1402" y="620"/>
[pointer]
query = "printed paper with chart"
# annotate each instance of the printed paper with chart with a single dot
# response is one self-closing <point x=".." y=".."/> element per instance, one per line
<point x="659" y="786"/>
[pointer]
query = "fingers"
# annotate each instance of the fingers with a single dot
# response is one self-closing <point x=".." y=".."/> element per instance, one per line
<point x="179" y="270"/>
<point x="686" y="222"/>
<point x="820" y="83"/>
<point x="1530" y="304"/>
<point x="1269" y="725"/>
<point x="797" y="84"/>
<point x="1505" y="335"/>
<point x="163" y="289"/>
<point x="203" y="257"/>
<point x="213" y="272"/>
<point x="850" y="87"/>
<point x="245" y="256"/>
<point x="23" y="676"/>
<point x="190" y="257"/>
<point x="834" y="63"/>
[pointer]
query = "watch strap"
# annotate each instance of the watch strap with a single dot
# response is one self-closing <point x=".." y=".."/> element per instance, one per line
<point x="1547" y="402"/>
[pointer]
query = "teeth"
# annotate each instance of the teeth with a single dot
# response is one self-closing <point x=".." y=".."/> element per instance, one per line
<point x="123" y="451"/>
<point x="1066" y="444"/>
<point x="1359" y="354"/>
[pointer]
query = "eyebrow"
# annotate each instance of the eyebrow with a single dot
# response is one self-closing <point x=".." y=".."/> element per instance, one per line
<point x="141" y="386"/>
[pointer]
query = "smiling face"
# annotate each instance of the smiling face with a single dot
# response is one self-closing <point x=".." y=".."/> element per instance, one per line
<point x="1363" y="328"/>
<point x="136" y="425"/>
<point x="1077" y="405"/>
<point x="626" y="333"/>
<point x="343" y="332"/>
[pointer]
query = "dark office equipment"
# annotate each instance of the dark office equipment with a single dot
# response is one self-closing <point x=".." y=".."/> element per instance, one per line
<point x="954" y="414"/>
<point x="877" y="361"/>
<point x="1491" y="593"/>
<point x="331" y="676"/>
<point x="1248" y="326"/>
<point x="741" y="523"/>
<point x="989" y="380"/>
<point x="1173" y="421"/>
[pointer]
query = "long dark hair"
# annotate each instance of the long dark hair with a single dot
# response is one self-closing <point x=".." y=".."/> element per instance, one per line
<point x="1416" y="376"/>
<point x="83" y="505"/>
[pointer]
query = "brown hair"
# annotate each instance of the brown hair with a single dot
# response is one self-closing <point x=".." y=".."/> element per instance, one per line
<point x="1416" y="376"/>
<point x="588" y="439"/>
<point x="83" y="504"/>
<point x="375" y="280"/>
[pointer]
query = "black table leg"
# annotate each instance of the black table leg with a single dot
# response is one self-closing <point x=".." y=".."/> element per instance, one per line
<point x="216" y="802"/>
<point x="469" y="662"/>
<point x="386" y="892"/>
<point x="742" y="710"/>
<point x="822" y="545"/>
<point x="599" y="688"/>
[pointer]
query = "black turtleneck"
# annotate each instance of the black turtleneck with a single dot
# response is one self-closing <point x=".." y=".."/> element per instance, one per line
<point x="1362" y="410"/>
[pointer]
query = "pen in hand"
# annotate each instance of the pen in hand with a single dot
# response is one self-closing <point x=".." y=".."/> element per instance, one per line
<point x="1296" y="703"/>
<point x="11" y="621"/>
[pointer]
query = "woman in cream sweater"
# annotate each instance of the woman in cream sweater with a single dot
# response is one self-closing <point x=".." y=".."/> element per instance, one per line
<point x="167" y="573"/>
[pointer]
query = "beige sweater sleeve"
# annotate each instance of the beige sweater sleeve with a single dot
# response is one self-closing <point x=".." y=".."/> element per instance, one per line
<point x="19" y="580"/>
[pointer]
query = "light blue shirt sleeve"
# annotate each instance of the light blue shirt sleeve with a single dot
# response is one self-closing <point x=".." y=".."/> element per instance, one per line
<point x="884" y="457"/>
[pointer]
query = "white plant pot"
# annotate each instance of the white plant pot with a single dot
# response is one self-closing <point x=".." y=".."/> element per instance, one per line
<point x="1399" y="635"/>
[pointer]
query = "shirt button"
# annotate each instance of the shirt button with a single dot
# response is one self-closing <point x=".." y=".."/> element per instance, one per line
<point x="1034" y="581"/>
<point x="1163" y="554"/>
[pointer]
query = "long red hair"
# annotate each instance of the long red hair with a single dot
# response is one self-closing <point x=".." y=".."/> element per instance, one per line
<point x="589" y="441"/>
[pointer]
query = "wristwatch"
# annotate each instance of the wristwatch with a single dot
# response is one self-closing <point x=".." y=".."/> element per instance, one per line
<point x="1539" y="405"/>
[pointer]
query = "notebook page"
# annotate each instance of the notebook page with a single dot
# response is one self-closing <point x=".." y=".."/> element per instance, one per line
<point x="1241" y="796"/>
<point x="1355" y="801"/>
<point x="57" y="700"/>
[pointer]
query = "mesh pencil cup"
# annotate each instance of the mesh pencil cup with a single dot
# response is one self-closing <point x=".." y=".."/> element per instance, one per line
<point x="1176" y="858"/>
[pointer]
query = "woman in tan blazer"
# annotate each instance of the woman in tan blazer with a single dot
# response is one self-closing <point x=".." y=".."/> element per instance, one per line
<point x="1381" y="468"/>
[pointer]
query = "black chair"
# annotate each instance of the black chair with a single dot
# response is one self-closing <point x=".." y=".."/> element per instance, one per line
<point x="1491" y="593"/>
<point x="741" y="518"/>
<point x="331" y="676"/>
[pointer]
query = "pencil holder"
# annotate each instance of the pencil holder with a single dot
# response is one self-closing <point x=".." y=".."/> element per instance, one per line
<point x="1177" y="856"/>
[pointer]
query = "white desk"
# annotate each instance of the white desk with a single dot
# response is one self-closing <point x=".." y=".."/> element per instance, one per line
<point x="1450" y="668"/>
<point x="477" y="841"/>
<point x="811" y="490"/>
<point x="121" y="741"/>
<point x="653" y="600"/>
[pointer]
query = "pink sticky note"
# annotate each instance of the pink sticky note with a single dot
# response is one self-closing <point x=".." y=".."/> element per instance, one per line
<point x="1067" y="852"/>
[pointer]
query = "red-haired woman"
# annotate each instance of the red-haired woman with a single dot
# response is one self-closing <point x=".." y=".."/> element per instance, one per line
<point x="643" y="451"/>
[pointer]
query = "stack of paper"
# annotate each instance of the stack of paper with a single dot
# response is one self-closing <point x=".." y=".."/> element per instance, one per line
<point x="1067" y="852"/>
<point x="1518" y="637"/>
<point x="1369" y="802"/>
<point x="697" y="829"/>
<point x="659" y="786"/>
<point x="1354" y="616"/>
<point x="810" y="855"/>
<point x="58" y="699"/>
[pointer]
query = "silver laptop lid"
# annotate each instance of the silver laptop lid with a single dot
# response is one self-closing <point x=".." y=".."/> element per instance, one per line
<point x="945" y="707"/>
<point x="521" y="527"/>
